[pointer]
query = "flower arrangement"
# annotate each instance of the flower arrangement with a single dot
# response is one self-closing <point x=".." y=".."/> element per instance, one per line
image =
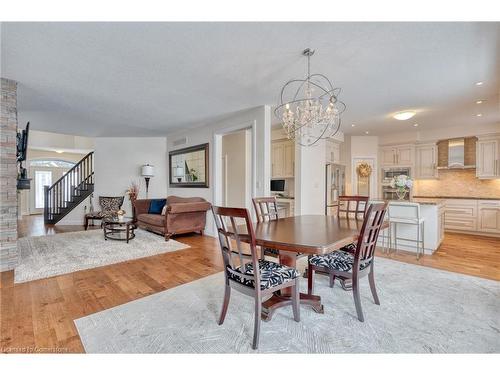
<point x="402" y="184"/>
<point x="133" y="191"/>
<point x="121" y="214"/>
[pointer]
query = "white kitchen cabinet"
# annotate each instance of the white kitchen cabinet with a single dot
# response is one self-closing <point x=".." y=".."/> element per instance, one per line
<point x="333" y="152"/>
<point x="398" y="155"/>
<point x="426" y="161"/>
<point x="289" y="159"/>
<point x="488" y="158"/>
<point x="283" y="159"/>
<point x="461" y="215"/>
<point x="489" y="216"/>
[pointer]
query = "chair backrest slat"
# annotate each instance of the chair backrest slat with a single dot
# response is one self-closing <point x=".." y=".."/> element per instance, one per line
<point x="346" y="203"/>
<point x="266" y="208"/>
<point x="367" y="241"/>
<point x="227" y="233"/>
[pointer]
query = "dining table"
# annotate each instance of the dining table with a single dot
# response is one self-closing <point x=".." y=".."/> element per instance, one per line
<point x="306" y="235"/>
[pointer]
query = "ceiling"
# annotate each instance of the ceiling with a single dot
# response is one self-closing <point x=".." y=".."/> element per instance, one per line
<point x="149" y="79"/>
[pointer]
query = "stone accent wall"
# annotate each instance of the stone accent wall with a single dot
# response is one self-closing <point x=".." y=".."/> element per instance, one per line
<point x="8" y="175"/>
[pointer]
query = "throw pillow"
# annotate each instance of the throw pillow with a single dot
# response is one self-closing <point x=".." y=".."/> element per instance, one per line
<point x="156" y="205"/>
<point x="164" y="210"/>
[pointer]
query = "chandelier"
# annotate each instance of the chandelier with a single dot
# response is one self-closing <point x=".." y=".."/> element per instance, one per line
<point x="309" y="108"/>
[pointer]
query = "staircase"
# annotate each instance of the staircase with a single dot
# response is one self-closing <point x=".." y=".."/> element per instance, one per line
<point x="69" y="191"/>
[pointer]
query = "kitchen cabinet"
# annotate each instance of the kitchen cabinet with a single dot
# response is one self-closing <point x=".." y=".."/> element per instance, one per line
<point x="488" y="158"/>
<point x="334" y="152"/>
<point x="426" y="160"/>
<point x="398" y="155"/>
<point x="489" y="216"/>
<point x="461" y="215"/>
<point x="283" y="159"/>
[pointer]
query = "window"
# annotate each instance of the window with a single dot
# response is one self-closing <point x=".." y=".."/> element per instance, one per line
<point x="42" y="178"/>
<point x="52" y="163"/>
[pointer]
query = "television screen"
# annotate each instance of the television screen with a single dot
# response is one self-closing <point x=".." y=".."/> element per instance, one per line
<point x="277" y="185"/>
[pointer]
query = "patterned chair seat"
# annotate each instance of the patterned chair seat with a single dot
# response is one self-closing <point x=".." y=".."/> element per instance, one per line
<point x="338" y="260"/>
<point x="271" y="274"/>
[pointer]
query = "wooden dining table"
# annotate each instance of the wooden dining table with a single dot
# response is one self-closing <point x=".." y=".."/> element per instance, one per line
<point x="308" y="235"/>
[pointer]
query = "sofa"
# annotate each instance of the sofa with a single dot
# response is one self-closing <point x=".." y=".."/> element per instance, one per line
<point x="180" y="215"/>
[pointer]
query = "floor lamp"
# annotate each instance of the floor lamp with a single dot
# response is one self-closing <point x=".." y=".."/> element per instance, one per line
<point x="147" y="171"/>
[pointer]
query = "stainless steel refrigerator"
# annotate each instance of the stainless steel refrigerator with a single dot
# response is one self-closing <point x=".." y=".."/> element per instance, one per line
<point x="335" y="186"/>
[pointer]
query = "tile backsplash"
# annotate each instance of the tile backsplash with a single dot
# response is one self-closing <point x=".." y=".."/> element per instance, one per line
<point x="458" y="183"/>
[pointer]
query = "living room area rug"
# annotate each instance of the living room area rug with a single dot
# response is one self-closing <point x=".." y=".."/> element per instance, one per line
<point x="423" y="310"/>
<point x="58" y="254"/>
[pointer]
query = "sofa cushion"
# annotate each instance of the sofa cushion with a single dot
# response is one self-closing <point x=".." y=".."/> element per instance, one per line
<point x="152" y="219"/>
<point x="156" y="205"/>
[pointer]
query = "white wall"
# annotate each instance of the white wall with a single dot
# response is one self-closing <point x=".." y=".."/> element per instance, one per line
<point x="310" y="164"/>
<point x="260" y="119"/>
<point x="52" y="141"/>
<point x="118" y="162"/>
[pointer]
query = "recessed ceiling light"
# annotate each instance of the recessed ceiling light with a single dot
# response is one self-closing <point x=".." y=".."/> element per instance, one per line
<point x="479" y="114"/>
<point x="479" y="101"/>
<point x="59" y="151"/>
<point x="353" y="125"/>
<point x="479" y="83"/>
<point x="367" y="132"/>
<point x="415" y="125"/>
<point x="404" y="115"/>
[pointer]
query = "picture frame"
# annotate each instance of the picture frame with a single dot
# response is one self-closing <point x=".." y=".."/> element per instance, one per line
<point x="188" y="167"/>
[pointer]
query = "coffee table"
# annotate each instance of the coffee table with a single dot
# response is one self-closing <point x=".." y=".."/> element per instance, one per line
<point x="118" y="230"/>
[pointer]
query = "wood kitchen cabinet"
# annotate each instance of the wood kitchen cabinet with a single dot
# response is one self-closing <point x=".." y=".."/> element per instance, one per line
<point x="283" y="159"/>
<point x="488" y="158"/>
<point x="426" y="161"/>
<point x="398" y="155"/>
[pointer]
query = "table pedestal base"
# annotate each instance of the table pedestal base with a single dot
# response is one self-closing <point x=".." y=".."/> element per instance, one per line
<point x="277" y="301"/>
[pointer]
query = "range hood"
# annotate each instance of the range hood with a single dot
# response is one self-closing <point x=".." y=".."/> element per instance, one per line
<point x="457" y="153"/>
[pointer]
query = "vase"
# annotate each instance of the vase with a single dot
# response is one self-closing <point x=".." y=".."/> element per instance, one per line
<point x="120" y="217"/>
<point x="401" y="193"/>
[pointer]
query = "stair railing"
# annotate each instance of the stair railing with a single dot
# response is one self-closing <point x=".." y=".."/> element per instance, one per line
<point x="63" y="191"/>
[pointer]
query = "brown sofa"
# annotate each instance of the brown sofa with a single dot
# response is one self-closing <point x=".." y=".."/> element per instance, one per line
<point x="183" y="215"/>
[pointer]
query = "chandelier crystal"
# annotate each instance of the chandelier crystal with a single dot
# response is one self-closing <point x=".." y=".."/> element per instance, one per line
<point x="309" y="108"/>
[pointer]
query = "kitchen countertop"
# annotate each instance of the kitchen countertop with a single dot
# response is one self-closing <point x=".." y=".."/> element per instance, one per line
<point x="421" y="200"/>
<point x="441" y="197"/>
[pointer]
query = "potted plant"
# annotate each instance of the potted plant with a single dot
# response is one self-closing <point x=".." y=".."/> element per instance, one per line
<point x="402" y="184"/>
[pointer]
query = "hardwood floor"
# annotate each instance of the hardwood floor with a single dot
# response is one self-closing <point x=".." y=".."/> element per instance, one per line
<point x="38" y="316"/>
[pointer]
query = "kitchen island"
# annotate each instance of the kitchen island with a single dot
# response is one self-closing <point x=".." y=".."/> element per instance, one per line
<point x="431" y="210"/>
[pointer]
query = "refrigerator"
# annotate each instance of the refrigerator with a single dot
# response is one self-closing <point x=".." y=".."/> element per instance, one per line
<point x="335" y="186"/>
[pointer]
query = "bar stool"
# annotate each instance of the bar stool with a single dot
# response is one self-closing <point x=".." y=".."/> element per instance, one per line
<point x="407" y="213"/>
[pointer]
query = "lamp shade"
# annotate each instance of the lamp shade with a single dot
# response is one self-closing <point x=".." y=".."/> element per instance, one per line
<point x="178" y="172"/>
<point x="147" y="170"/>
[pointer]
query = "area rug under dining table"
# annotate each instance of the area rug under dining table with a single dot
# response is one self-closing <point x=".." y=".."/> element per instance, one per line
<point x="423" y="310"/>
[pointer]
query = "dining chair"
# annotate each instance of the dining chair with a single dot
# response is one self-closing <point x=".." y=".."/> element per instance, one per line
<point x="254" y="277"/>
<point x="266" y="209"/>
<point x="353" y="266"/>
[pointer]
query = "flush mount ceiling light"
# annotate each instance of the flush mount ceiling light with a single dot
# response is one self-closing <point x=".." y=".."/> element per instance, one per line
<point x="479" y="101"/>
<point x="309" y="108"/>
<point x="405" y="115"/>
<point x="367" y="132"/>
<point x="479" y="115"/>
<point x="59" y="151"/>
<point x="353" y="125"/>
<point x="415" y="125"/>
<point x="479" y="83"/>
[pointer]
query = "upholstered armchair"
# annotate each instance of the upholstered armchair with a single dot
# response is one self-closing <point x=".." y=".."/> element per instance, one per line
<point x="180" y="215"/>
<point x="109" y="207"/>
